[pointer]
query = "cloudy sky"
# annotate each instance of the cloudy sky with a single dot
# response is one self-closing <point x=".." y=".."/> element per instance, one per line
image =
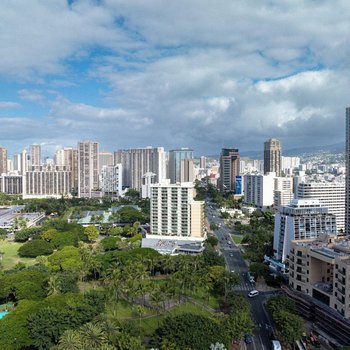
<point x="197" y="73"/>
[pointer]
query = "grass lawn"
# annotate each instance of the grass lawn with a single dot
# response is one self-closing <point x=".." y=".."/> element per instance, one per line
<point x="237" y="238"/>
<point x="10" y="258"/>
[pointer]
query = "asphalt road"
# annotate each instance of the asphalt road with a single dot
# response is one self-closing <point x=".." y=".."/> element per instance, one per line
<point x="235" y="262"/>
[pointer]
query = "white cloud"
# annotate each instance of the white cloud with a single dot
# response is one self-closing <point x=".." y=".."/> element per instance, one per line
<point x="9" y="105"/>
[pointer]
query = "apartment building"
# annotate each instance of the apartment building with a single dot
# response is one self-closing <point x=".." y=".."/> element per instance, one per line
<point x="11" y="184"/>
<point x="301" y="219"/>
<point x="272" y="156"/>
<point x="321" y="269"/>
<point x="283" y="191"/>
<point x="174" y="212"/>
<point x="330" y="195"/>
<point x="111" y="180"/>
<point x="229" y="169"/>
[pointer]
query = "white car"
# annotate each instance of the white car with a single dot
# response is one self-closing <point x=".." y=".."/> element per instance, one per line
<point x="253" y="293"/>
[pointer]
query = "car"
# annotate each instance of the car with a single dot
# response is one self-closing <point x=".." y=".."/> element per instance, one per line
<point x="253" y="293"/>
<point x="231" y="254"/>
<point x="232" y="271"/>
<point x="248" y="339"/>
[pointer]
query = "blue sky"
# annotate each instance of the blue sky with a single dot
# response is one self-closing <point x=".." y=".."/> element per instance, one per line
<point x="197" y="73"/>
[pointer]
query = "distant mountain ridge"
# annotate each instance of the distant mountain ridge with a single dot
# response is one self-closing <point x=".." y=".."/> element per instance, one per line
<point x="296" y="152"/>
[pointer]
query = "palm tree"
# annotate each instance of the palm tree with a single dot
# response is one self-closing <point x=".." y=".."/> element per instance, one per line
<point x="53" y="285"/>
<point x="92" y="336"/>
<point x="70" y="340"/>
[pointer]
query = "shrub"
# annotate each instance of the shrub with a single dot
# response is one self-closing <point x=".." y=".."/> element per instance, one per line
<point x="35" y="248"/>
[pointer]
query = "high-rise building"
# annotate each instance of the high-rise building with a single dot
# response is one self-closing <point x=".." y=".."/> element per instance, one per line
<point x="229" y="169"/>
<point x="136" y="162"/>
<point x="111" y="180"/>
<point x="88" y="179"/>
<point x="187" y="170"/>
<point x="47" y="181"/>
<point x="259" y="189"/>
<point x="147" y="180"/>
<point x="174" y="212"/>
<point x="330" y="195"/>
<point x="203" y="162"/>
<point x="3" y="160"/>
<point x="272" y="156"/>
<point x="68" y="157"/>
<point x="347" y="178"/>
<point x="35" y="155"/>
<point x="176" y="157"/>
<point x="301" y="219"/>
<point x="105" y="158"/>
<point x="11" y="184"/>
<point x="283" y="191"/>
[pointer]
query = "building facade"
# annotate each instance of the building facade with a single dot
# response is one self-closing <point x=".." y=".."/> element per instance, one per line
<point x="321" y="269"/>
<point x="229" y="169"/>
<point x="111" y="180"/>
<point x="35" y="155"/>
<point x="3" y="160"/>
<point x="11" y="184"/>
<point x="176" y="163"/>
<point x="272" y="156"/>
<point x="330" y="195"/>
<point x="88" y="178"/>
<point x="174" y="212"/>
<point x="301" y="219"/>
<point x="347" y="166"/>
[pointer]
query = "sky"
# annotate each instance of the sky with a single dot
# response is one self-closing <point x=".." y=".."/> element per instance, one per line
<point x="187" y="73"/>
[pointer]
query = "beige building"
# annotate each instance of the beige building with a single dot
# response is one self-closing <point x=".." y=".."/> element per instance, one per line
<point x="272" y="156"/>
<point x="174" y="212"/>
<point x="321" y="269"/>
<point x="3" y="160"/>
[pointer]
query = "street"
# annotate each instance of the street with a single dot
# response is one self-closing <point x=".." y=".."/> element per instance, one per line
<point x="235" y="263"/>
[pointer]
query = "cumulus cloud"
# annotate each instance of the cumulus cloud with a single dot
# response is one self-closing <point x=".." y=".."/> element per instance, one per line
<point x="198" y="73"/>
<point x="9" y="105"/>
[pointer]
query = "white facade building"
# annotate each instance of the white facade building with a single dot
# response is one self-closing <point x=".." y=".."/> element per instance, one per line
<point x="147" y="180"/>
<point x="301" y="219"/>
<point x="258" y="189"/>
<point x="111" y="180"/>
<point x="174" y="212"/>
<point x="283" y="191"/>
<point x="330" y="195"/>
<point x="88" y="179"/>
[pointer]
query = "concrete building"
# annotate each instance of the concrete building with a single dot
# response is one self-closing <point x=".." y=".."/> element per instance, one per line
<point x="259" y="190"/>
<point x="3" y="160"/>
<point x="203" y="162"/>
<point x="301" y="219"/>
<point x="283" y="191"/>
<point x="47" y="181"/>
<point x="136" y="162"/>
<point x="11" y="184"/>
<point x="229" y="169"/>
<point x="330" y="195"/>
<point x="321" y="269"/>
<point x="176" y="163"/>
<point x="35" y="155"/>
<point x="105" y="158"/>
<point x="289" y="164"/>
<point x="187" y="170"/>
<point x="174" y="212"/>
<point x="147" y="180"/>
<point x="111" y="180"/>
<point x="272" y="156"/>
<point x="88" y="179"/>
<point x="347" y="166"/>
<point x="68" y="158"/>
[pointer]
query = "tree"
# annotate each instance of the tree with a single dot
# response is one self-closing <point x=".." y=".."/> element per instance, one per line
<point x="191" y="331"/>
<point x="70" y="340"/>
<point x="66" y="259"/>
<point x="258" y="269"/>
<point x="212" y="240"/>
<point x="25" y="234"/>
<point x="35" y="248"/>
<point x="3" y="233"/>
<point x="91" y="232"/>
<point x="109" y="243"/>
<point x="92" y="336"/>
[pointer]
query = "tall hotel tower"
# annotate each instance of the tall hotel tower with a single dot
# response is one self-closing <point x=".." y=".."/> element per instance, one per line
<point x="272" y="156"/>
<point x="88" y="180"/>
<point x="347" y="178"/>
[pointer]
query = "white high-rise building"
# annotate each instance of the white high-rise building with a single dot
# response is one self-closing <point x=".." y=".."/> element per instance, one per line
<point x="88" y="179"/>
<point x="174" y="212"/>
<point x="283" y="191"/>
<point x="347" y="166"/>
<point x="147" y="180"/>
<point x="47" y="181"/>
<point x="68" y="157"/>
<point x="111" y="180"/>
<point x="330" y="194"/>
<point x="136" y="162"/>
<point x="3" y="160"/>
<point x="259" y="189"/>
<point x="301" y="219"/>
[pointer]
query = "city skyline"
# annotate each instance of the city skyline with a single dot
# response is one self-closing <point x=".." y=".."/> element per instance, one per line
<point x="235" y="73"/>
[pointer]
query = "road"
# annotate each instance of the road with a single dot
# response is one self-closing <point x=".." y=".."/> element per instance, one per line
<point x="235" y="262"/>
